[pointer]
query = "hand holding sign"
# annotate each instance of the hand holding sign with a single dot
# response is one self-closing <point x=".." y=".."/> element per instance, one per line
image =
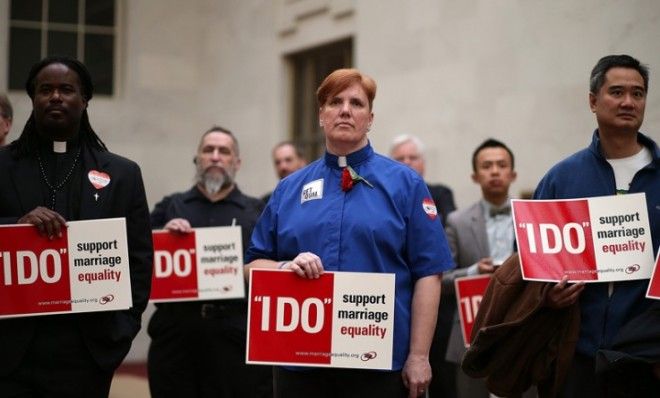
<point x="306" y="265"/>
<point x="561" y="295"/>
<point x="179" y="225"/>
<point x="48" y="222"/>
<point x="486" y="265"/>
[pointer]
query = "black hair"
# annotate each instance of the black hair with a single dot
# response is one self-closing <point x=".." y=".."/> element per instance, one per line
<point x="27" y="141"/>
<point x="490" y="143"/>
<point x="608" y="62"/>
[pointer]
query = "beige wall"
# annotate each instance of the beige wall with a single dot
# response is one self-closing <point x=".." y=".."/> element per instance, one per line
<point x="453" y="73"/>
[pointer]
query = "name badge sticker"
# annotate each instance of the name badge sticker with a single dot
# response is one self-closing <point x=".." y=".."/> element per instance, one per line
<point x="312" y="190"/>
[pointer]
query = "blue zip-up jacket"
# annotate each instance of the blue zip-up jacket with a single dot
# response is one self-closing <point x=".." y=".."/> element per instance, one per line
<point x="588" y="174"/>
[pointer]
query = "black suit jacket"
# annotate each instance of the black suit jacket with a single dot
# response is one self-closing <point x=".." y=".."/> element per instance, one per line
<point x="108" y="335"/>
<point x="444" y="200"/>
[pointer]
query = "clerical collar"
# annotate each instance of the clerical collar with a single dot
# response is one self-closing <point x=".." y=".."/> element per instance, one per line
<point x="59" y="146"/>
<point x="48" y="146"/>
<point x="352" y="159"/>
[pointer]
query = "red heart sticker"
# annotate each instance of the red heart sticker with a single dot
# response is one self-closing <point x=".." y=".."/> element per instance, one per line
<point x="98" y="178"/>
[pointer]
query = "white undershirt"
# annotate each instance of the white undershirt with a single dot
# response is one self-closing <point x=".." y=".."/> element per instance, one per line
<point x="626" y="168"/>
<point x="624" y="171"/>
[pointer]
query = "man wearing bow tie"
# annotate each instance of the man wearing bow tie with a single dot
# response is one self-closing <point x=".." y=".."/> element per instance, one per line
<point x="480" y="238"/>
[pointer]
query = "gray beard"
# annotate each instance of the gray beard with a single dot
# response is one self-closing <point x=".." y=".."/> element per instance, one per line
<point x="213" y="183"/>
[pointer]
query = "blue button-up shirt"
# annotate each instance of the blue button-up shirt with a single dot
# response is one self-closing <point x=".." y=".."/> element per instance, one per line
<point x="391" y="227"/>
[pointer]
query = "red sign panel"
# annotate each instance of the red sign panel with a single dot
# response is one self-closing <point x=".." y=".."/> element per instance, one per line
<point x="175" y="266"/>
<point x="556" y="233"/>
<point x="34" y="270"/>
<point x="281" y="318"/>
<point x="469" y="292"/>
<point x="654" y="284"/>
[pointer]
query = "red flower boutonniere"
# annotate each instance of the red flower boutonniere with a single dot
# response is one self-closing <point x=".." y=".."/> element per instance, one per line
<point x="349" y="178"/>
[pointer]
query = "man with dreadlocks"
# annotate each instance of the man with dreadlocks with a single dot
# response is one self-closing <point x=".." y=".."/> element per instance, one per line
<point x="47" y="179"/>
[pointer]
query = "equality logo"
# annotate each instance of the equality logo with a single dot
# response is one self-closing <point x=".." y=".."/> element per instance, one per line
<point x="631" y="269"/>
<point x="106" y="299"/>
<point x="429" y="208"/>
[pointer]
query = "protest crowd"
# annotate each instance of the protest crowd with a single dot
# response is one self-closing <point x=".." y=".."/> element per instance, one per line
<point x="348" y="278"/>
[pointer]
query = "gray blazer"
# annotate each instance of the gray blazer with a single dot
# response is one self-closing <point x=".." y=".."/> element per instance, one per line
<point x="468" y="242"/>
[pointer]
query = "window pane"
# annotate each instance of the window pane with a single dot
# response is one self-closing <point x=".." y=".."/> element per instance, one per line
<point x="64" y="11"/>
<point x="99" y="58"/>
<point x="28" y="10"/>
<point x="25" y="45"/>
<point x="100" y="12"/>
<point x="310" y="68"/>
<point x="20" y="62"/>
<point x="62" y="43"/>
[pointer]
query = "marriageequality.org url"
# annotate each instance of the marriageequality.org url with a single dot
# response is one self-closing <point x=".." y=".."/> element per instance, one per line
<point x="590" y="271"/>
<point x="59" y="302"/>
<point x="325" y="354"/>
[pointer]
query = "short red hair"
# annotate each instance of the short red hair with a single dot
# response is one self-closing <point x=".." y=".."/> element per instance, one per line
<point x="340" y="80"/>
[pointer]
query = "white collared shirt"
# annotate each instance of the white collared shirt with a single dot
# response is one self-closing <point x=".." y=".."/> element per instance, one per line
<point x="499" y="230"/>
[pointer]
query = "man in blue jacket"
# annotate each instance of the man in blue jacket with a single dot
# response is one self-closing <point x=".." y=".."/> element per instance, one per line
<point x="620" y="160"/>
